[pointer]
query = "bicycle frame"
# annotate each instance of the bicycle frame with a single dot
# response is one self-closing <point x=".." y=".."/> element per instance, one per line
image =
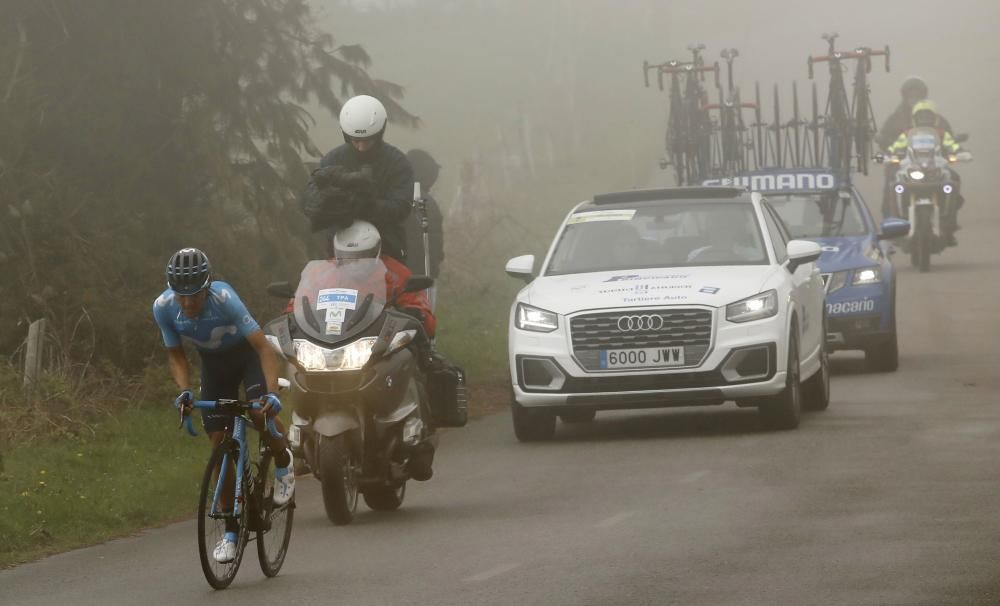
<point x="239" y="434"/>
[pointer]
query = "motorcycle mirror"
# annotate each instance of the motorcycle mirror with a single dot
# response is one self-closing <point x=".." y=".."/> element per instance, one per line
<point x="283" y="290"/>
<point x="964" y="156"/>
<point x="879" y="158"/>
<point x="418" y="283"/>
<point x="961" y="137"/>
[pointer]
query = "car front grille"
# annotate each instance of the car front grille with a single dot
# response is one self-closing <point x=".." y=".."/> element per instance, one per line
<point x="690" y="328"/>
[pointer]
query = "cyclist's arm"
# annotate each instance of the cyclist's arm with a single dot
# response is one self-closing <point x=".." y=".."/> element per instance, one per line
<point x="179" y="368"/>
<point x="268" y="359"/>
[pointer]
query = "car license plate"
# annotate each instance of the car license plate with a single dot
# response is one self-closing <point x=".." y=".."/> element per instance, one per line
<point x="652" y="357"/>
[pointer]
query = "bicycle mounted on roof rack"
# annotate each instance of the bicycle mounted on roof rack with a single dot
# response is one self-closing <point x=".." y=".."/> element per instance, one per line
<point x="702" y="147"/>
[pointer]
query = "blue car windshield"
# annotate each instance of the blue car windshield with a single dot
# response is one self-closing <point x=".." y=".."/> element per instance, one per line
<point x="819" y="215"/>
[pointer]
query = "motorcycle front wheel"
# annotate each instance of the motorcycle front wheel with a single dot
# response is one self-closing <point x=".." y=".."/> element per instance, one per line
<point x="338" y="477"/>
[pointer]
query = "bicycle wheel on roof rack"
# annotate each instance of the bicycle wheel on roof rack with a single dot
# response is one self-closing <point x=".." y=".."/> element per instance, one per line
<point x="864" y="123"/>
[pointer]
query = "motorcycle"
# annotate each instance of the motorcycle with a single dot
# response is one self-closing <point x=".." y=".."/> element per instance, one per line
<point x="361" y="418"/>
<point x="926" y="194"/>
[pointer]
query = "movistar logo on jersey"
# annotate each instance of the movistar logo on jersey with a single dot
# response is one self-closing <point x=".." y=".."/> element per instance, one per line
<point x="805" y="180"/>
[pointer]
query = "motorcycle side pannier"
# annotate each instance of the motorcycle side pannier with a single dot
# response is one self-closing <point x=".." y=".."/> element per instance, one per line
<point x="446" y="391"/>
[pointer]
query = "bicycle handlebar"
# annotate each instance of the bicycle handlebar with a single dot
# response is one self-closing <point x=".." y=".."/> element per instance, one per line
<point x="862" y="52"/>
<point x="223" y="405"/>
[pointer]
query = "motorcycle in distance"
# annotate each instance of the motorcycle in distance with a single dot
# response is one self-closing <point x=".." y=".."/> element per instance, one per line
<point x="361" y="417"/>
<point x="926" y="194"/>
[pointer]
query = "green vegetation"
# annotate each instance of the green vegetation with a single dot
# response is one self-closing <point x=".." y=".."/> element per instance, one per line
<point x="135" y="470"/>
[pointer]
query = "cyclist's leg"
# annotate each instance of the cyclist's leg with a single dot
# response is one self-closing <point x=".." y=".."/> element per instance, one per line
<point x="219" y="381"/>
<point x="255" y="385"/>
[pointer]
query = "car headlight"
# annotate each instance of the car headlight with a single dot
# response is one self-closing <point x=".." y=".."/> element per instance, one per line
<point x="756" y="307"/>
<point x="354" y="356"/>
<point x="838" y="280"/>
<point x="868" y="275"/>
<point x="538" y="320"/>
<point x="916" y="175"/>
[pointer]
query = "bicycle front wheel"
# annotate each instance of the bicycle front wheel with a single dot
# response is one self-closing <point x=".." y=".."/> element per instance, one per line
<point x="212" y="520"/>
<point x="274" y="527"/>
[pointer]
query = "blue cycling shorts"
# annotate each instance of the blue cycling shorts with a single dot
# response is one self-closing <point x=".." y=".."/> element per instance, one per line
<point x="222" y="374"/>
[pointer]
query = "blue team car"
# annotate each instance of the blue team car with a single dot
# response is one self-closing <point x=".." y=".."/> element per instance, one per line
<point x="856" y="265"/>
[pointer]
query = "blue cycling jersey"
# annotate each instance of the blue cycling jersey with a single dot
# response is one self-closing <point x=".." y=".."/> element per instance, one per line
<point x="224" y="320"/>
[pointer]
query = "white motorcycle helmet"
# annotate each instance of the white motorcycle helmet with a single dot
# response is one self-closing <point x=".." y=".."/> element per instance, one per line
<point x="359" y="240"/>
<point x="363" y="117"/>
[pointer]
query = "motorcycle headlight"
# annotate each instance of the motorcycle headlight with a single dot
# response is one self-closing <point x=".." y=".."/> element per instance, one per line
<point x="535" y="319"/>
<point x="756" y="307"/>
<point x="916" y="175"/>
<point x="837" y="281"/>
<point x="868" y="275"/>
<point x="353" y="356"/>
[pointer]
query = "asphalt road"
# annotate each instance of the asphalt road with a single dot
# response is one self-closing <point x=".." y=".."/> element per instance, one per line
<point x="889" y="497"/>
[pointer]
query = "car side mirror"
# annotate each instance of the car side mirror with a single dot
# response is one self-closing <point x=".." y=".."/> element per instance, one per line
<point x="961" y="137"/>
<point x="418" y="283"/>
<point x="282" y="290"/>
<point x="801" y="252"/>
<point x="893" y="228"/>
<point x="522" y="268"/>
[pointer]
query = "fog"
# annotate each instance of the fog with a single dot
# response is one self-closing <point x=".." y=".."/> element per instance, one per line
<point x="577" y="66"/>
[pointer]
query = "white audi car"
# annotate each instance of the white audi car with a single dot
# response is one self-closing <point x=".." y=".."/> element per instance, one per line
<point x="668" y="297"/>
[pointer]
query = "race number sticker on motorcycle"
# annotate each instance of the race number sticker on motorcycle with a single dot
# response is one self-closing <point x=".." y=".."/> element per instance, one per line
<point x="337" y="298"/>
<point x="334" y="328"/>
<point x="850" y="307"/>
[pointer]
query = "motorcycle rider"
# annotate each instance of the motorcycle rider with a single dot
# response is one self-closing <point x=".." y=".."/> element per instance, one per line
<point x="233" y="350"/>
<point x="925" y="116"/>
<point x="913" y="90"/>
<point x="361" y="240"/>
<point x="365" y="178"/>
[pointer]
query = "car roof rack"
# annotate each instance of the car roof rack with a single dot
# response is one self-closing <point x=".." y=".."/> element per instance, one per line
<point x="669" y="193"/>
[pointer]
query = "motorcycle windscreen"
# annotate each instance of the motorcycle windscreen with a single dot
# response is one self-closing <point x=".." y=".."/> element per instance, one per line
<point x="337" y="300"/>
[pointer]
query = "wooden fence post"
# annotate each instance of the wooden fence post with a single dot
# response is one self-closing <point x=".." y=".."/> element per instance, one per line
<point x="33" y="354"/>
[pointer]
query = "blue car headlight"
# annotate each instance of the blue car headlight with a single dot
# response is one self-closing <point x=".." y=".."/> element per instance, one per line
<point x="867" y="275"/>
<point x="838" y="280"/>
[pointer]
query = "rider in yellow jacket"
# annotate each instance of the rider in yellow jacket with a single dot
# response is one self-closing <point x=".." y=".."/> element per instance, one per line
<point x="925" y="115"/>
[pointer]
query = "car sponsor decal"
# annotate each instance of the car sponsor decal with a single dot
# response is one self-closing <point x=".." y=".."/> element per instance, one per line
<point x="778" y="181"/>
<point x="850" y="307"/>
<point x="642" y="288"/>
<point x="602" y="215"/>
<point x="628" y="277"/>
<point x="709" y="290"/>
<point x="344" y="298"/>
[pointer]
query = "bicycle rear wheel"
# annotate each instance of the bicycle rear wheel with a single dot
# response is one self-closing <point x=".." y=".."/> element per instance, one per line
<point x="212" y="526"/>
<point x="274" y="526"/>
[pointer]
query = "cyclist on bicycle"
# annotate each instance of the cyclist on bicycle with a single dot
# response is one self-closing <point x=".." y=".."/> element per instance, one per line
<point x="233" y="351"/>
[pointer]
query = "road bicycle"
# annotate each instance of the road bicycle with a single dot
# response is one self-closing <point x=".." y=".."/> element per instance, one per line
<point x="248" y="500"/>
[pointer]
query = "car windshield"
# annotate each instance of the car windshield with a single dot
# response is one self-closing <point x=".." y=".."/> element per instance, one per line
<point x="819" y="215"/>
<point x="673" y="234"/>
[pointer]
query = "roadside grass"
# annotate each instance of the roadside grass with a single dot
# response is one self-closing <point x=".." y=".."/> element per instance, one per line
<point x="59" y="494"/>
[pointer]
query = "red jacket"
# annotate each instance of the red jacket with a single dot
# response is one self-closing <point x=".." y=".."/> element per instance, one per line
<point x="395" y="278"/>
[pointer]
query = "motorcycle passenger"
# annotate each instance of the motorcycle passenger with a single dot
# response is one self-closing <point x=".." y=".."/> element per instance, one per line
<point x="209" y="315"/>
<point x="925" y="115"/>
<point x="361" y="240"/>
<point x="337" y="192"/>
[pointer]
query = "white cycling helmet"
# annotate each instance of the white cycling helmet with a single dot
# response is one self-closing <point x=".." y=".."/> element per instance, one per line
<point x="359" y="240"/>
<point x="362" y="117"/>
